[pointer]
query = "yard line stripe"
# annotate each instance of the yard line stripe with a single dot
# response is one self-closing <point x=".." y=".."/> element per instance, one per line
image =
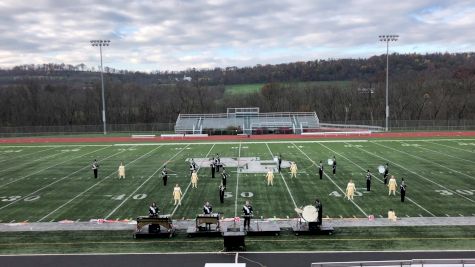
<point x="445" y="154"/>
<point x="19" y="179"/>
<point x="458" y="148"/>
<point x="24" y="155"/>
<point x="432" y="162"/>
<point x="377" y="178"/>
<point x="64" y="177"/>
<point x="282" y="176"/>
<point x="94" y="185"/>
<point x="188" y="187"/>
<point x="326" y="175"/>
<point x="427" y="179"/>
<point x="237" y="182"/>
<point x="140" y="186"/>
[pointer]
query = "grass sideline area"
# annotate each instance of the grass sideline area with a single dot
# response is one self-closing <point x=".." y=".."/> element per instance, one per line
<point x="249" y="88"/>
<point x="345" y="239"/>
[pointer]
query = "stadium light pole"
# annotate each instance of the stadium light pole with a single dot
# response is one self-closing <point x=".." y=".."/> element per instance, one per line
<point x="387" y="39"/>
<point x="102" y="43"/>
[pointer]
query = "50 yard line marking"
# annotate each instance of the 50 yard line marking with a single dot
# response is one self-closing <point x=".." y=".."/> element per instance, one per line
<point x="331" y="180"/>
<point x="140" y="186"/>
<point x="188" y="187"/>
<point x="237" y="182"/>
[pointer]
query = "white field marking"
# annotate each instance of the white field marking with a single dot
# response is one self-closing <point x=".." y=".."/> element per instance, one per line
<point x="140" y="186"/>
<point x="326" y="175"/>
<point x="432" y="162"/>
<point x="29" y="154"/>
<point x="237" y="182"/>
<point x="447" y="215"/>
<point x="283" y="179"/>
<point x="30" y="161"/>
<point x="376" y="177"/>
<point x="57" y="181"/>
<point x="94" y="185"/>
<point x="460" y="215"/>
<point x="57" y="146"/>
<point x="21" y="178"/>
<point x="188" y="187"/>
<point x="445" y="154"/>
<point x="457" y="148"/>
<point x="425" y="178"/>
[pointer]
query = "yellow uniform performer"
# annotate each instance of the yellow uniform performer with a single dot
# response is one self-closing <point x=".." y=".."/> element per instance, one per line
<point x="350" y="190"/>
<point x="194" y="180"/>
<point x="121" y="171"/>
<point x="293" y="170"/>
<point x="392" y="186"/>
<point x="177" y="194"/>
<point x="270" y="178"/>
<point x="392" y="215"/>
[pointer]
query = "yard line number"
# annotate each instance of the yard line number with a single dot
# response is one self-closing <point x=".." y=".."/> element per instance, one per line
<point x="14" y="198"/>
<point x="466" y="192"/>
<point x="136" y="197"/>
<point x="243" y="194"/>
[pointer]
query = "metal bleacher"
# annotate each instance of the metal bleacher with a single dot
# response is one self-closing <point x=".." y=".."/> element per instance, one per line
<point x="247" y="120"/>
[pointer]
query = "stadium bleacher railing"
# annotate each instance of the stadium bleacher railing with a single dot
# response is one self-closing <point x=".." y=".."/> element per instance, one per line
<point x="411" y="263"/>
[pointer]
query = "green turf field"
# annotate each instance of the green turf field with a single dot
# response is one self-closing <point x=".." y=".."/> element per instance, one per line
<point x="42" y="183"/>
<point x="255" y="87"/>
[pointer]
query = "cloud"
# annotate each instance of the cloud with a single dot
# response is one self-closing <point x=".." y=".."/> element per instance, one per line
<point x="181" y="34"/>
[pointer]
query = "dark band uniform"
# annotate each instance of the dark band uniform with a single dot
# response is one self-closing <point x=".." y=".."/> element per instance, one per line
<point x="95" y="168"/>
<point x="247" y="211"/>
<point x="368" y="181"/>
<point x="402" y="188"/>
<point x="334" y="166"/>
<point x="280" y="162"/>
<point x="153" y="211"/>
<point x="224" y="177"/>
<point x="319" y="207"/>
<point x="386" y="172"/>
<point x="320" y="171"/>
<point x="213" y="168"/>
<point x="164" y="176"/>
<point x="207" y="209"/>
<point x="222" y="189"/>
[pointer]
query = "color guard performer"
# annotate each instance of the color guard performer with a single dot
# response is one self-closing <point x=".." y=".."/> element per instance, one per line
<point x="386" y="172"/>
<point x="213" y="168"/>
<point x="177" y="194"/>
<point x="224" y="177"/>
<point x="319" y="207"/>
<point x="293" y="170"/>
<point x="392" y="185"/>
<point x="392" y="215"/>
<point x="334" y="165"/>
<point x="247" y="214"/>
<point x="368" y="181"/>
<point x="95" y="168"/>
<point x="153" y="210"/>
<point x="402" y="189"/>
<point x="165" y="175"/>
<point x="121" y="170"/>
<point x="194" y="180"/>
<point x="320" y="170"/>
<point x="270" y="177"/>
<point x="222" y="189"/>
<point x="350" y="190"/>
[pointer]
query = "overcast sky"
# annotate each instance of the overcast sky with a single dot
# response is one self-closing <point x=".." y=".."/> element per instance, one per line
<point x="181" y="34"/>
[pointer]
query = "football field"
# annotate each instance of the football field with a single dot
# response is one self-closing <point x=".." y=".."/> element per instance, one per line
<point x="54" y="182"/>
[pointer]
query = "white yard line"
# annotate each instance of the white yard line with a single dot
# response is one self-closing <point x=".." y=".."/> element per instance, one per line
<point x="140" y="186"/>
<point x="21" y="178"/>
<point x="457" y="148"/>
<point x="377" y="178"/>
<point x="29" y="154"/>
<point x="430" y="161"/>
<point x="64" y="177"/>
<point x="283" y="179"/>
<point x="188" y="187"/>
<point x="94" y="185"/>
<point x="237" y="182"/>
<point x="445" y="154"/>
<point x="425" y="178"/>
<point x="331" y="180"/>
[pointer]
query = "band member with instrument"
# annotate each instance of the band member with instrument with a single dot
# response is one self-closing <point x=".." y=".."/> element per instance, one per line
<point x="402" y="189"/>
<point x="386" y="173"/>
<point x="177" y="195"/>
<point x="213" y="168"/>
<point x="95" y="168"/>
<point x="193" y="166"/>
<point x="320" y="170"/>
<point x="194" y="180"/>
<point x="247" y="214"/>
<point x="153" y="210"/>
<point x="218" y="162"/>
<point x="279" y="160"/>
<point x="293" y="170"/>
<point x="224" y="177"/>
<point x="222" y="189"/>
<point x="392" y="185"/>
<point x="334" y="165"/>
<point x="121" y="170"/>
<point x="207" y="210"/>
<point x="165" y="175"/>
<point x="319" y="207"/>
<point x="368" y="181"/>
<point x="350" y="190"/>
<point x="270" y="177"/>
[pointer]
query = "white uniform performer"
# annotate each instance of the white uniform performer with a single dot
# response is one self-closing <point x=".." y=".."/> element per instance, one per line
<point x="293" y="170"/>
<point x="392" y="185"/>
<point x="177" y="194"/>
<point x="194" y="180"/>
<point x="270" y="177"/>
<point x="121" y="170"/>
<point x="350" y="190"/>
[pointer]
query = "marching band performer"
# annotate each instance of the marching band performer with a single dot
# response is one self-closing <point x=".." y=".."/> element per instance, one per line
<point x="213" y="168"/>
<point x="402" y="189"/>
<point x="192" y="166"/>
<point x="320" y="170"/>
<point x="270" y="177"/>
<point x="293" y="170"/>
<point x="218" y="162"/>
<point x="207" y="209"/>
<point x="392" y="185"/>
<point x="368" y="181"/>
<point x="153" y="210"/>
<point x="279" y="160"/>
<point x="224" y="177"/>
<point x="177" y="194"/>
<point x="222" y="189"/>
<point x="334" y="165"/>
<point x="247" y="213"/>
<point x="194" y="180"/>
<point x="319" y="207"/>
<point x="386" y="172"/>
<point x="165" y="175"/>
<point x="121" y="170"/>
<point x="95" y="168"/>
<point x="350" y="190"/>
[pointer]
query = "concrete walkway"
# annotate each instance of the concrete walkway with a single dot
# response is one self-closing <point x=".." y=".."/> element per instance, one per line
<point x="282" y="223"/>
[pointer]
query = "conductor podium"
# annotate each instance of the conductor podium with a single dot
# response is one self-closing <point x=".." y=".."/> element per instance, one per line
<point x="205" y="225"/>
<point x="159" y="226"/>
